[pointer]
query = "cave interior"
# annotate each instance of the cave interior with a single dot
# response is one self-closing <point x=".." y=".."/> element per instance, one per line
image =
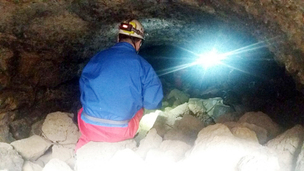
<point x="45" y="44"/>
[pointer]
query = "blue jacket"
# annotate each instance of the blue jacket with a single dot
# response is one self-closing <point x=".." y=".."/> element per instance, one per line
<point x="116" y="83"/>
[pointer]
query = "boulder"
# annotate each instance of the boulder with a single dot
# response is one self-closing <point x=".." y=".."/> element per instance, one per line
<point x="244" y="133"/>
<point x="30" y="166"/>
<point x="260" y="132"/>
<point x="10" y="160"/>
<point x="165" y="121"/>
<point x="32" y="148"/>
<point x="185" y="130"/>
<point x="196" y="105"/>
<point x="94" y="156"/>
<point x="300" y="160"/>
<point x="60" y="128"/>
<point x="56" y="164"/>
<point x="262" y="120"/>
<point x="36" y="128"/>
<point x="126" y="158"/>
<point x="20" y="128"/>
<point x="64" y="153"/>
<point x="44" y="159"/>
<point x="5" y="135"/>
<point x="179" y="97"/>
<point x="169" y="152"/>
<point x="216" y="148"/>
<point x="260" y="162"/>
<point x="151" y="141"/>
<point x="176" y="149"/>
<point x="287" y="146"/>
<point x="146" y="123"/>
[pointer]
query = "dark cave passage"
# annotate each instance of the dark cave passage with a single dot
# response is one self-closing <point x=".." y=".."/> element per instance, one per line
<point x="251" y="80"/>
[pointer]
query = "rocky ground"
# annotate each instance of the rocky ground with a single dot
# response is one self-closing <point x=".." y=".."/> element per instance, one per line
<point x="190" y="134"/>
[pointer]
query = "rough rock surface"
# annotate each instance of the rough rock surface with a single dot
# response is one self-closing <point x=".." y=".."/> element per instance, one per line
<point x="45" y="44"/>
<point x="262" y="120"/>
<point x="5" y="134"/>
<point x="216" y="143"/>
<point x="288" y="146"/>
<point x="212" y="144"/>
<point x="185" y="129"/>
<point x="31" y="148"/>
<point x="96" y="155"/>
<point x="300" y="161"/>
<point x="59" y="128"/>
<point x="30" y="166"/>
<point x="9" y="158"/>
<point x="56" y="164"/>
<point x="152" y="141"/>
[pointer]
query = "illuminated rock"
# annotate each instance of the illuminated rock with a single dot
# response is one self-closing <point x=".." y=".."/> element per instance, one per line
<point x="59" y="127"/>
<point x="56" y="164"/>
<point x="31" y="148"/>
<point x="262" y="120"/>
<point x="287" y="146"/>
<point x="9" y="158"/>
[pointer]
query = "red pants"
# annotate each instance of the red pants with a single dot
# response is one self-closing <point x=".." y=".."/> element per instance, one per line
<point x="91" y="132"/>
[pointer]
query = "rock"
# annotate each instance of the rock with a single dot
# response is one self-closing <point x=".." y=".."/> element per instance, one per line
<point x="177" y="113"/>
<point x="151" y="141"/>
<point x="10" y="160"/>
<point x="196" y="105"/>
<point x="146" y="123"/>
<point x="127" y="158"/>
<point x="31" y="148"/>
<point x="227" y="117"/>
<point x="244" y="133"/>
<point x="37" y="128"/>
<point x="160" y="124"/>
<point x="179" y="97"/>
<point x="216" y="143"/>
<point x="64" y="153"/>
<point x="165" y="121"/>
<point x="30" y="166"/>
<point x="262" y="120"/>
<point x="287" y="146"/>
<point x="169" y="152"/>
<point x="94" y="155"/>
<point x="222" y="110"/>
<point x="185" y="130"/>
<point x="5" y="58"/>
<point x="260" y="132"/>
<point x="59" y="128"/>
<point x="20" y="129"/>
<point x="300" y="161"/>
<point x="261" y="162"/>
<point x="175" y="149"/>
<point x="44" y="159"/>
<point x="56" y="164"/>
<point x="5" y="135"/>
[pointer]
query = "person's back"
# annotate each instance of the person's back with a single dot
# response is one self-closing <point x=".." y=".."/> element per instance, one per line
<point x="115" y="85"/>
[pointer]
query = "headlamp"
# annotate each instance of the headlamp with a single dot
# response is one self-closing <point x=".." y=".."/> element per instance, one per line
<point x="126" y="26"/>
<point x="130" y="28"/>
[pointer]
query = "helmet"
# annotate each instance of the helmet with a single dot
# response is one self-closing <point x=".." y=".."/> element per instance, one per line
<point x="132" y="28"/>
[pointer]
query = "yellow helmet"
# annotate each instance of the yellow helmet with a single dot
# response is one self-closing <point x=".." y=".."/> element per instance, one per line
<point x="132" y="28"/>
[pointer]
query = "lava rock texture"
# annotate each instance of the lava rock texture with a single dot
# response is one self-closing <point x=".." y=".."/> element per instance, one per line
<point x="45" y="44"/>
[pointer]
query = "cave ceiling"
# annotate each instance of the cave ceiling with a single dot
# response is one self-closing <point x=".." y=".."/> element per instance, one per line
<point x="46" y="43"/>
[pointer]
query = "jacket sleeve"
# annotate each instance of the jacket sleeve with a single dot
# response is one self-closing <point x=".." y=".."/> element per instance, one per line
<point x="152" y="90"/>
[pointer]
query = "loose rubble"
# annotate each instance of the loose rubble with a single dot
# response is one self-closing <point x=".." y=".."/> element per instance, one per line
<point x="177" y="140"/>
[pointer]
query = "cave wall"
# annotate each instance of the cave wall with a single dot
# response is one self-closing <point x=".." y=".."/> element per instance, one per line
<point x="44" y="44"/>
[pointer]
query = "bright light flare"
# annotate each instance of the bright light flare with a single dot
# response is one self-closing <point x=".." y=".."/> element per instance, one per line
<point x="213" y="58"/>
<point x="210" y="59"/>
